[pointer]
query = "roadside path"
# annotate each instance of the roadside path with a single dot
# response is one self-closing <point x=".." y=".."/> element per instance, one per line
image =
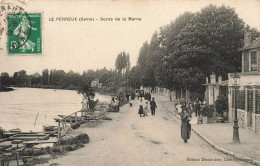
<point x="132" y="140"/>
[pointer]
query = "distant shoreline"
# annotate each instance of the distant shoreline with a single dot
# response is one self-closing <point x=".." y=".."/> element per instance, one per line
<point x="99" y="91"/>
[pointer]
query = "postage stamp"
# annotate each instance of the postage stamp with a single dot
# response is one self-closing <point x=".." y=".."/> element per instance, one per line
<point x="24" y="33"/>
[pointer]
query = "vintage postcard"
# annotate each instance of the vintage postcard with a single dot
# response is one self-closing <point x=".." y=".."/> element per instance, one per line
<point x="130" y="82"/>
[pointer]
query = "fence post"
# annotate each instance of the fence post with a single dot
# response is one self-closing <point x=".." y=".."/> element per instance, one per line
<point x="63" y="125"/>
<point x="76" y="117"/>
<point x="59" y="132"/>
<point x="70" y="121"/>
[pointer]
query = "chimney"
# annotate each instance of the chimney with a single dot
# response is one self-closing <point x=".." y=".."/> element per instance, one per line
<point x="247" y="38"/>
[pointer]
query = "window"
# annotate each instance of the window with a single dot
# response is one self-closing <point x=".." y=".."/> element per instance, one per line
<point x="253" y="61"/>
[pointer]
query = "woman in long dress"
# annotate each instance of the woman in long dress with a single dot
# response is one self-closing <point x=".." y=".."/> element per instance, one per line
<point x="141" y="108"/>
<point x="178" y="107"/>
<point x="146" y="108"/>
<point x="185" y="125"/>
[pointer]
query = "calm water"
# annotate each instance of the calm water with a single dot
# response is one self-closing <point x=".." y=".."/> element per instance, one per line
<point x="19" y="108"/>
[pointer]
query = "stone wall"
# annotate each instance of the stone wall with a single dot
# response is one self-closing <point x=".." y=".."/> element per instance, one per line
<point x="257" y="123"/>
<point x="242" y="118"/>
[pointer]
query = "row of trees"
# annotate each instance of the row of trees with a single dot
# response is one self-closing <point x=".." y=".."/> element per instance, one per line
<point x="58" y="78"/>
<point x="190" y="48"/>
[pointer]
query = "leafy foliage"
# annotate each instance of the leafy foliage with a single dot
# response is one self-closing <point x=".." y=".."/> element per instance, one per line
<point x="87" y="91"/>
<point x="122" y="62"/>
<point x="221" y="104"/>
<point x="192" y="47"/>
<point x="208" y="110"/>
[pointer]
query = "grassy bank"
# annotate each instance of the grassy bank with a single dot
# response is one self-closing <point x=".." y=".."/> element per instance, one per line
<point x="33" y="156"/>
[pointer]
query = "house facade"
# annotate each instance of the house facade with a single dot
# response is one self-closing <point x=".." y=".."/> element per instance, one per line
<point x="94" y="83"/>
<point x="248" y="94"/>
<point x="215" y="88"/>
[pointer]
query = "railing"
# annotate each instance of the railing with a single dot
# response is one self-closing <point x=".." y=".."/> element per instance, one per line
<point x="63" y="120"/>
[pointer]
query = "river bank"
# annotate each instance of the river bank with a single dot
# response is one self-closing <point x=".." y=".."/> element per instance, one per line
<point x="32" y="108"/>
<point x="68" y="142"/>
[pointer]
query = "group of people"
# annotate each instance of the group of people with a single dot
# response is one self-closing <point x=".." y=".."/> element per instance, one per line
<point x="145" y="105"/>
<point x="190" y="106"/>
<point x="185" y="109"/>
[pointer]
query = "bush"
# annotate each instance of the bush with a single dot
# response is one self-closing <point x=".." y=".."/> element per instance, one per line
<point x="221" y="105"/>
<point x="75" y="125"/>
<point x="208" y="110"/>
<point x="84" y="138"/>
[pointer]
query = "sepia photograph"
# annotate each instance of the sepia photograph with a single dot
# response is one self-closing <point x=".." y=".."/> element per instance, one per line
<point x="129" y="82"/>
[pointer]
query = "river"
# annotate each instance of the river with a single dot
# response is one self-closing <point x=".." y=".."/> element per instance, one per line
<point x="19" y="108"/>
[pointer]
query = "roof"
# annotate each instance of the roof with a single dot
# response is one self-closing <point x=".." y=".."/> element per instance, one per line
<point x="254" y="44"/>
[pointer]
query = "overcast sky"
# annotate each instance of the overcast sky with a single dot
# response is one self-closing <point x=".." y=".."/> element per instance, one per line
<point x="80" y="46"/>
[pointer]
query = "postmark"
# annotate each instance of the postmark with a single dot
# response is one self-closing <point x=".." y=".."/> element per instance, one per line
<point x="24" y="33"/>
<point x="6" y="8"/>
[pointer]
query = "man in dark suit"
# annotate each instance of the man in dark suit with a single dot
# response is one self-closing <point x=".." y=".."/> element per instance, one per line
<point x="153" y="106"/>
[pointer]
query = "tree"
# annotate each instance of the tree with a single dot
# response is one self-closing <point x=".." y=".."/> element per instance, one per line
<point x="5" y="79"/>
<point x="35" y="79"/>
<point x="21" y="79"/>
<point x="169" y="69"/>
<point x="122" y="62"/>
<point x="87" y="91"/>
<point x="143" y="56"/>
<point x="45" y="77"/>
<point x="152" y="65"/>
<point x="211" y="41"/>
<point x="135" y="76"/>
<point x="198" y="44"/>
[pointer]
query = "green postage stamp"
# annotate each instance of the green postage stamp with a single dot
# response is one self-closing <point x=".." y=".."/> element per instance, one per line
<point x="24" y="33"/>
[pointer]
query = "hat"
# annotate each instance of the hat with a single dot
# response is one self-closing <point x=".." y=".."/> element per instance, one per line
<point x="153" y="98"/>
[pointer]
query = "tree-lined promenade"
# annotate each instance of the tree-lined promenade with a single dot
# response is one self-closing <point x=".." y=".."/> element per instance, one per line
<point x="179" y="56"/>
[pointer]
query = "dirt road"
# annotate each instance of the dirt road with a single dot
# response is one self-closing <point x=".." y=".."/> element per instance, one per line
<point x="132" y="140"/>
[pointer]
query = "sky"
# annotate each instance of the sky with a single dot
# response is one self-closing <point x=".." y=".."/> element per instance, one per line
<point x="79" y="46"/>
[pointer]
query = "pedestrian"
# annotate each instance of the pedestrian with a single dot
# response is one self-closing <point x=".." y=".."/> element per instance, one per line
<point x="178" y="107"/>
<point x="153" y="106"/>
<point x="189" y="103"/>
<point x="197" y="106"/>
<point x="185" y="125"/>
<point x="149" y="97"/>
<point x="203" y="103"/>
<point x="141" y="109"/>
<point x="183" y="103"/>
<point x="113" y="100"/>
<point x="146" y="108"/>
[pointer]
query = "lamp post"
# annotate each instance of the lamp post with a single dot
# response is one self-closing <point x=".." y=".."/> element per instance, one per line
<point x="235" y="82"/>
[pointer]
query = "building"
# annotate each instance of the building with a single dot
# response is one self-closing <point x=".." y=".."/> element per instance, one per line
<point x="94" y="83"/>
<point x="248" y="95"/>
<point x="215" y="88"/>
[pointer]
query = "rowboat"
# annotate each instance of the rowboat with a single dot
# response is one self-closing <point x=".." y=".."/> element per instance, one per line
<point x="29" y="136"/>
